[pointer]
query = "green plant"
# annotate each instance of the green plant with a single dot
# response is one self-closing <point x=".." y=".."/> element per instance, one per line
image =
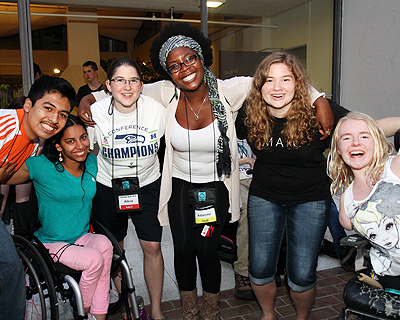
<point x="4" y="87"/>
<point x="4" y="97"/>
<point x="148" y="73"/>
<point x="106" y="63"/>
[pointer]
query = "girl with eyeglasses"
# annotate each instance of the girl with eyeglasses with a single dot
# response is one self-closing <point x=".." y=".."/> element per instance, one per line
<point x="128" y="130"/>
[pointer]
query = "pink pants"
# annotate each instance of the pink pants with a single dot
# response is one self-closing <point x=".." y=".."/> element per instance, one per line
<point x="92" y="253"/>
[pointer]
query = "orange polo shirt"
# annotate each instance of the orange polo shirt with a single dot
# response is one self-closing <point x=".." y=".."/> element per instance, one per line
<point x="14" y="144"/>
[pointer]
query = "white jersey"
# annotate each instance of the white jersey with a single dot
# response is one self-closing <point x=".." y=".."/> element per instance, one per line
<point x="128" y="143"/>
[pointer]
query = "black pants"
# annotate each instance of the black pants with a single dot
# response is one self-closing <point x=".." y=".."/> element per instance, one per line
<point x="188" y="242"/>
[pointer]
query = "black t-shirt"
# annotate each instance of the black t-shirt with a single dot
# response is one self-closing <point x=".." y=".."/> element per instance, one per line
<point x="292" y="176"/>
<point x="84" y="91"/>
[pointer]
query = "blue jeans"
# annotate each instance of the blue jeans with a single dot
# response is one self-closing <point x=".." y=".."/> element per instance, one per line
<point x="335" y="228"/>
<point x="305" y="226"/>
<point x="12" y="280"/>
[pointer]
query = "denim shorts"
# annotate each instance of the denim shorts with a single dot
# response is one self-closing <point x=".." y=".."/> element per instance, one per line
<point x="305" y="226"/>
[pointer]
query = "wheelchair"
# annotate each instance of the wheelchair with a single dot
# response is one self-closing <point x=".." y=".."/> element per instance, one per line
<point x="50" y="284"/>
<point x="365" y="297"/>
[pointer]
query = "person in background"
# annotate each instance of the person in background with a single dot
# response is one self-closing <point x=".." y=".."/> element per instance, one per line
<point x="37" y="72"/>
<point x="243" y="290"/>
<point x="90" y="71"/>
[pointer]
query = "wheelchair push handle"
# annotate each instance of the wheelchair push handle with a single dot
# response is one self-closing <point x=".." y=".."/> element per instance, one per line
<point x="369" y="280"/>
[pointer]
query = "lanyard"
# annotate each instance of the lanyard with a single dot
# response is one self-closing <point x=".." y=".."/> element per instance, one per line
<point x="111" y="112"/>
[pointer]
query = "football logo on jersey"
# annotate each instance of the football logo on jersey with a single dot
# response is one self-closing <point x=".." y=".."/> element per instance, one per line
<point x="130" y="138"/>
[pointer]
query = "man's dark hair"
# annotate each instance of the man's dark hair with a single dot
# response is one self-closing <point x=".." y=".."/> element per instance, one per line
<point x="49" y="84"/>
<point x="91" y="64"/>
<point x="36" y="70"/>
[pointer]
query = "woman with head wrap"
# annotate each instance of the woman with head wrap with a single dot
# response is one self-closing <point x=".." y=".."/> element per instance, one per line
<point x="201" y="152"/>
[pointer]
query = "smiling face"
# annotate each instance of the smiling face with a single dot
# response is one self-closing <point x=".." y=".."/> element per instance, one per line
<point x="356" y="145"/>
<point x="47" y="117"/>
<point x="74" y="145"/>
<point x="125" y="95"/>
<point x="188" y="78"/>
<point x="385" y="234"/>
<point x="279" y="89"/>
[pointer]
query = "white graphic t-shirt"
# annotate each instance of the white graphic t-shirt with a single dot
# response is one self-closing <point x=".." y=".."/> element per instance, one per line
<point x="378" y="219"/>
<point x="128" y="143"/>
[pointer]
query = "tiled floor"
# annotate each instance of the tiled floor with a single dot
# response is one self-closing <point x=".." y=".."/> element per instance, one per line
<point x="328" y="303"/>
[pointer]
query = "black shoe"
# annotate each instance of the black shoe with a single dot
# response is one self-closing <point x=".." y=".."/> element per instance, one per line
<point x="243" y="289"/>
<point x="328" y="249"/>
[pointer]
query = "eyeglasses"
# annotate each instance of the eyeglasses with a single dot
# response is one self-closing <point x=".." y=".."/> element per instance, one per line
<point x="121" y="82"/>
<point x="174" y="68"/>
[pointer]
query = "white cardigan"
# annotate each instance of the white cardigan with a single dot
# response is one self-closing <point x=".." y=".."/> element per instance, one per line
<point x="233" y="93"/>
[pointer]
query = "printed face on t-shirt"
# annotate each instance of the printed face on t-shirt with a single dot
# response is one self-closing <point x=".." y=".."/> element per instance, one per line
<point x="384" y="234"/>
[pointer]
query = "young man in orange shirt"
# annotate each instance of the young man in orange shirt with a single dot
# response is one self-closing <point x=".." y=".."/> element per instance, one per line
<point x="44" y="114"/>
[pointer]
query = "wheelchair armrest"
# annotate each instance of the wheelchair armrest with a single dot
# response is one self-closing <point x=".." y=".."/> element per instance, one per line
<point x="354" y="241"/>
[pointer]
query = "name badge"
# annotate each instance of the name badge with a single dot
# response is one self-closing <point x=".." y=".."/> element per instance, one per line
<point x="128" y="202"/>
<point x="206" y="215"/>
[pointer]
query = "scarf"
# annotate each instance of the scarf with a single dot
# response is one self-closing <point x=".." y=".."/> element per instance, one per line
<point x="223" y="151"/>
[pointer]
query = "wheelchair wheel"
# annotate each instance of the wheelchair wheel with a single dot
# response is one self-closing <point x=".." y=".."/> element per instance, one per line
<point x="41" y="299"/>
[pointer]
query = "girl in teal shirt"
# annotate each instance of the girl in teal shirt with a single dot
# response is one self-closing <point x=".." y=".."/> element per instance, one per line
<point x="64" y="177"/>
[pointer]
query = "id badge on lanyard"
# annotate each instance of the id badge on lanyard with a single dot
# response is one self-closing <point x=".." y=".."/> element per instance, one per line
<point x="205" y="215"/>
<point x="127" y="194"/>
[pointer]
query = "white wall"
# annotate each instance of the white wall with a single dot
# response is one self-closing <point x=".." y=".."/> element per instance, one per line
<point x="371" y="57"/>
<point x="310" y="24"/>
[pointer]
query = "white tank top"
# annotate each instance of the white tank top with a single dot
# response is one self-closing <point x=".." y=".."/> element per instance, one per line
<point x="203" y="146"/>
